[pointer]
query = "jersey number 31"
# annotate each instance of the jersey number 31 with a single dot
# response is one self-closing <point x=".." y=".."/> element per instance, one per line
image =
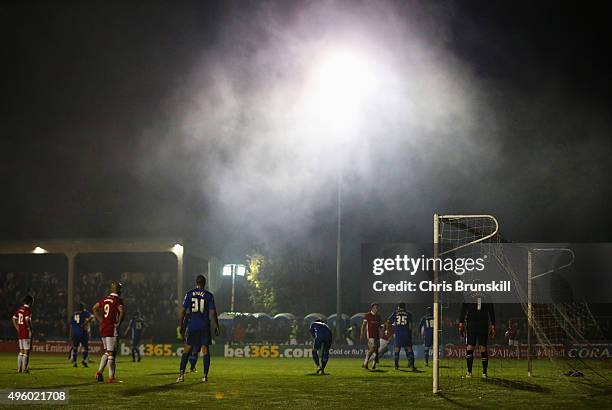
<point x="197" y="305"/>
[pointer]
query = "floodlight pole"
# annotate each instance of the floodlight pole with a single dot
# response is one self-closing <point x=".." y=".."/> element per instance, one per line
<point x="233" y="286"/>
<point x="339" y="255"/>
<point x="529" y="312"/>
<point x="180" y="280"/>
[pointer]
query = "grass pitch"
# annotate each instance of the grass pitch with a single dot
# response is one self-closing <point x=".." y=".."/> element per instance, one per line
<point x="292" y="384"/>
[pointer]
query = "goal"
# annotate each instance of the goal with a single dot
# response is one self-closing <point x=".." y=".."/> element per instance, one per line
<point x="452" y="233"/>
<point x="554" y="322"/>
<point x="563" y="322"/>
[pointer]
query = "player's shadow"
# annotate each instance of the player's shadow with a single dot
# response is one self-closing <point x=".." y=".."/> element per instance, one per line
<point x="597" y="390"/>
<point x="455" y="402"/>
<point x="517" y="385"/>
<point x="602" y="392"/>
<point x="410" y="371"/>
<point x="316" y="374"/>
<point x="378" y="371"/>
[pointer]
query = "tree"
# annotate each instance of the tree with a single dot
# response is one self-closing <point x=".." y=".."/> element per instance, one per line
<point x="261" y="280"/>
<point x="291" y="281"/>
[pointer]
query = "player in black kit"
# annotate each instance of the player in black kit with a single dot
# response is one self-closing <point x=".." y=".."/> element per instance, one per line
<point x="476" y="324"/>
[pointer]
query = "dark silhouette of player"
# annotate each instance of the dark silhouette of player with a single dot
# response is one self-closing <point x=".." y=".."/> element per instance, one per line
<point x="476" y="323"/>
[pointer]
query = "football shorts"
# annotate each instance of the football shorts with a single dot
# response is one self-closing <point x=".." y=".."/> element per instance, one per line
<point x="477" y="335"/>
<point x="324" y="344"/>
<point x="200" y="337"/>
<point x="109" y="343"/>
<point x="403" y="340"/>
<point x="24" y="344"/>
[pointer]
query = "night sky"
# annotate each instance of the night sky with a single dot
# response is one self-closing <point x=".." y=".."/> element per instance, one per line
<point x="99" y="139"/>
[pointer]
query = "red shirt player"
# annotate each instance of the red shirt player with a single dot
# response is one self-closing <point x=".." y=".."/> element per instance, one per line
<point x="386" y="333"/>
<point x="512" y="333"/>
<point x="370" y="330"/>
<point x="109" y="313"/>
<point x="22" y="321"/>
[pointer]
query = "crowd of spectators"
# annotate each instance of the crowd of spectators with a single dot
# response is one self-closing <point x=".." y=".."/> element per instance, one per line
<point x="153" y="294"/>
<point x="263" y="332"/>
<point x="246" y="328"/>
<point x="50" y="300"/>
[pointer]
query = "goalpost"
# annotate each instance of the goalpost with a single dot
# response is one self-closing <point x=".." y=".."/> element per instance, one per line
<point x="451" y="233"/>
<point x="552" y="324"/>
<point x="554" y="318"/>
<point x="531" y="276"/>
<point x="562" y="320"/>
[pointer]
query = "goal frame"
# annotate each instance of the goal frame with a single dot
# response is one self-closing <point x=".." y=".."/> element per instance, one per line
<point x="531" y="276"/>
<point x="437" y="219"/>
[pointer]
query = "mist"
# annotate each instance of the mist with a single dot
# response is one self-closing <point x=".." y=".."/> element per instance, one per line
<point x="269" y="166"/>
<point x="208" y="122"/>
<point x="433" y="134"/>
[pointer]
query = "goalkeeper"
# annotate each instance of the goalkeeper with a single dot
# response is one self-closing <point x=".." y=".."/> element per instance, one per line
<point x="476" y="324"/>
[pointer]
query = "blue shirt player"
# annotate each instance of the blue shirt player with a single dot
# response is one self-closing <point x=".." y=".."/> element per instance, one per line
<point x="426" y="330"/>
<point x="135" y="328"/>
<point x="194" y="325"/>
<point x="401" y="320"/>
<point x="322" y="340"/>
<point x="79" y="332"/>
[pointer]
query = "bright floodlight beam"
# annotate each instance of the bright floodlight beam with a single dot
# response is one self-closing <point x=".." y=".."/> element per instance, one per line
<point x="340" y="83"/>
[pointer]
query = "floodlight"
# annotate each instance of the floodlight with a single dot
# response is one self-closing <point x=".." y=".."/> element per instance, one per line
<point x="240" y="270"/>
<point x="341" y="81"/>
<point x="177" y="249"/>
<point x="227" y="270"/>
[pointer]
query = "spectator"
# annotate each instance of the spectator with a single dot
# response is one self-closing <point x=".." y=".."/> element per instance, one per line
<point x="250" y="333"/>
<point x="293" y="333"/>
<point x="49" y="291"/>
<point x="239" y="333"/>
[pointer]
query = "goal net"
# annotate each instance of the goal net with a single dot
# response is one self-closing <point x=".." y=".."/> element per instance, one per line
<point x="557" y="329"/>
<point x="546" y="332"/>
